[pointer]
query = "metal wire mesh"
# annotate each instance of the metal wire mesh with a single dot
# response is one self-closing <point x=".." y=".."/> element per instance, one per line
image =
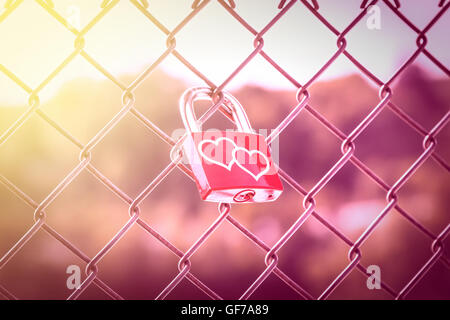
<point x="224" y="215"/>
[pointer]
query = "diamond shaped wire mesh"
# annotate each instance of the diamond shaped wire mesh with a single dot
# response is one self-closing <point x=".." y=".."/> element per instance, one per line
<point x="309" y="210"/>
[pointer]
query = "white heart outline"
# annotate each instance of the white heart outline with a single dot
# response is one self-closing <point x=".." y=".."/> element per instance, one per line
<point x="259" y="175"/>
<point x="216" y="142"/>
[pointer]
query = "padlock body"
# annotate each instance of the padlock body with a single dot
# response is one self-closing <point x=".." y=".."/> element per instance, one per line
<point x="232" y="167"/>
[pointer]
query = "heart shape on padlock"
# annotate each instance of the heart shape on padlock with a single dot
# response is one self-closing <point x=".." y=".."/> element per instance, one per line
<point x="216" y="144"/>
<point x="251" y="154"/>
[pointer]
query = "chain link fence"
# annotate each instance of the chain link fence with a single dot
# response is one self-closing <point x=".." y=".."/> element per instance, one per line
<point x="309" y="210"/>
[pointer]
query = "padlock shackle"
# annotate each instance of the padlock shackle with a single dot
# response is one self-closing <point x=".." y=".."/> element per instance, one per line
<point x="204" y="93"/>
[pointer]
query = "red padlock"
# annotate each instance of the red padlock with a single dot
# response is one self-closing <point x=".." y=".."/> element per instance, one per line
<point x="229" y="166"/>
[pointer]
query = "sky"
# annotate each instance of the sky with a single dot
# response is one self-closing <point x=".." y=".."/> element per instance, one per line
<point x="33" y="43"/>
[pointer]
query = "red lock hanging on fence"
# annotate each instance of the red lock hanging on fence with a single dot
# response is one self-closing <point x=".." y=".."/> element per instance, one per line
<point x="229" y="166"/>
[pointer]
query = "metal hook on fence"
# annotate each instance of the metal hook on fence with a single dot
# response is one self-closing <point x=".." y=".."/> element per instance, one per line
<point x="364" y="4"/>
<point x="315" y="4"/>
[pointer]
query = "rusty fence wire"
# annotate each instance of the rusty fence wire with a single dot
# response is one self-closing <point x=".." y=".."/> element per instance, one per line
<point x="309" y="210"/>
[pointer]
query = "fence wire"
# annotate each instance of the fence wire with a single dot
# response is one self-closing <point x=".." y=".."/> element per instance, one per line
<point x="225" y="210"/>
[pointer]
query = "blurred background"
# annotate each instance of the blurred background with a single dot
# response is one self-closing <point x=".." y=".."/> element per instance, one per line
<point x="81" y="100"/>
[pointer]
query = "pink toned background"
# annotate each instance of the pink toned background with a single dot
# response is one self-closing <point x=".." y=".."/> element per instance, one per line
<point x="81" y="100"/>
